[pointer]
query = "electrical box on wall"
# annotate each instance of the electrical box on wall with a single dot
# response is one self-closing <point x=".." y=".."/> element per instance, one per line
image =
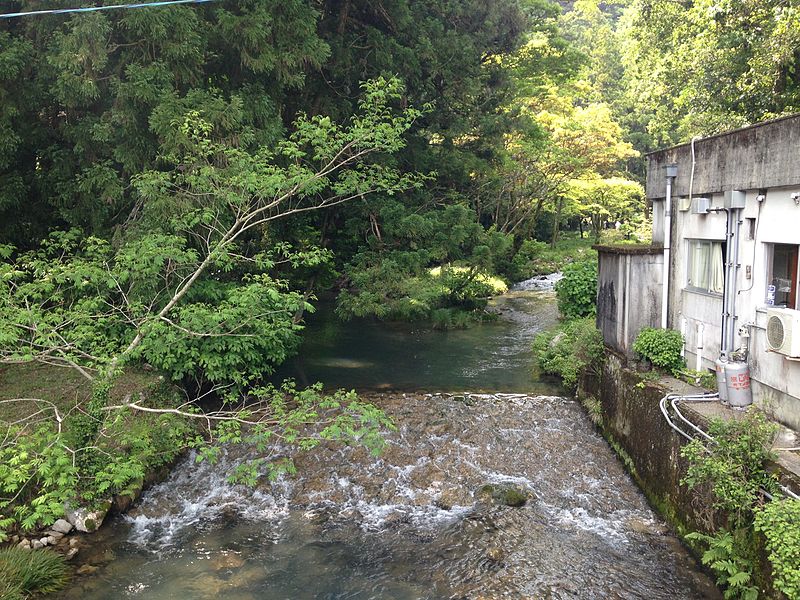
<point x="700" y="206"/>
<point x="735" y="199"/>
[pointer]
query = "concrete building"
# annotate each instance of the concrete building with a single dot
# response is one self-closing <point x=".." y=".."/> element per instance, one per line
<point x="732" y="233"/>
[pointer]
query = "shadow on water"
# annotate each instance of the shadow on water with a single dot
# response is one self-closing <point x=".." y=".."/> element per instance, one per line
<point x="368" y="354"/>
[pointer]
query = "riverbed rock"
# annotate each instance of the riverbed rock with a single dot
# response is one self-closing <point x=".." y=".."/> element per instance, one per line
<point x="227" y="561"/>
<point x="37" y="545"/>
<point x="123" y="502"/>
<point x="86" y="520"/>
<point x="71" y="553"/>
<point x="24" y="544"/>
<point x="505" y="494"/>
<point x="61" y="526"/>
<point x="495" y="554"/>
<point x="87" y="569"/>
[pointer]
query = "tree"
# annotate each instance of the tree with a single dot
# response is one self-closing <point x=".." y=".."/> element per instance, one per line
<point x="601" y="201"/>
<point x="164" y="295"/>
<point x="704" y="67"/>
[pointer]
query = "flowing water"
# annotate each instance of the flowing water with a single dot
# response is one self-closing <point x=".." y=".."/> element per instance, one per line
<point x="413" y="523"/>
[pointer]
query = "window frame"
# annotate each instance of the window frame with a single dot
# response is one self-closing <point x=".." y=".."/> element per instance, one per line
<point x="690" y="249"/>
<point x="793" y="299"/>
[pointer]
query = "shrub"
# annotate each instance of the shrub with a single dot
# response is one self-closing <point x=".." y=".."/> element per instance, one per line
<point x="734" y="467"/>
<point x="662" y="347"/>
<point x="24" y="572"/>
<point x="577" y="291"/>
<point x="526" y="261"/>
<point x="779" y="521"/>
<point x="734" y="464"/>
<point x="570" y="349"/>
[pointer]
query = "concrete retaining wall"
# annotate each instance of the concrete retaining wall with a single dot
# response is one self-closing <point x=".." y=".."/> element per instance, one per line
<point x="633" y="424"/>
<point x="628" y="293"/>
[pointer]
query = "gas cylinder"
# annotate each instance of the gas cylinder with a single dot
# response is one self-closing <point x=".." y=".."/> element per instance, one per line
<point x="722" y="384"/>
<point x="737" y="375"/>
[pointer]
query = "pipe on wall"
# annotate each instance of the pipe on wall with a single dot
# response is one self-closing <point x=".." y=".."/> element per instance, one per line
<point x="699" y="331"/>
<point x="672" y="172"/>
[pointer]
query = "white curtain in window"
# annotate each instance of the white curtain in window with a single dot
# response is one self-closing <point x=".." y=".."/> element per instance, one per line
<point x="698" y="272"/>
<point x="706" y="266"/>
<point x="716" y="279"/>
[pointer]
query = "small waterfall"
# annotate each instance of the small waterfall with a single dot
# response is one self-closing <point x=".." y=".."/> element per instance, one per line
<point x="538" y="283"/>
<point x="414" y="522"/>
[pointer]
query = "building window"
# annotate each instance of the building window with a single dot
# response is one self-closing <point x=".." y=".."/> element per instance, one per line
<point x="782" y="279"/>
<point x="705" y="266"/>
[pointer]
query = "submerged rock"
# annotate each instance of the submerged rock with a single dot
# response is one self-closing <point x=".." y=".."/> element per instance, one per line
<point x="227" y="561"/>
<point x="87" y="569"/>
<point x="505" y="494"/>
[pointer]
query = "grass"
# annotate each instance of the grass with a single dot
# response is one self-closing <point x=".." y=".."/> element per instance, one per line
<point x="66" y="388"/>
<point x="25" y="572"/>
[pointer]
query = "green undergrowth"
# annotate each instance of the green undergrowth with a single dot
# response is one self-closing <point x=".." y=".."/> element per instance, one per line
<point x="779" y="522"/>
<point x="60" y="446"/>
<point x="569" y="350"/>
<point x="540" y="258"/>
<point x="25" y="572"/>
<point x="448" y="297"/>
<point x="734" y="468"/>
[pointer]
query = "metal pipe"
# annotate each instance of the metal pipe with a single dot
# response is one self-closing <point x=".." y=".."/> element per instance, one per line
<point x="723" y="342"/>
<point x="700" y="329"/>
<point x="672" y="171"/>
<point x="673" y="400"/>
<point x="699" y="398"/>
<point x="734" y="283"/>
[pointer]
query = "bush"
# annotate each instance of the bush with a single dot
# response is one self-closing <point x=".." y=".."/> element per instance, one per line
<point x="24" y="572"/>
<point x="569" y="350"/>
<point x="436" y="295"/>
<point x="779" y="521"/>
<point x="526" y="262"/>
<point x="734" y="464"/>
<point x="662" y="347"/>
<point x="577" y="291"/>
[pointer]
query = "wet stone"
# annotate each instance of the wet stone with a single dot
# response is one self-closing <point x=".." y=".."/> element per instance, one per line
<point x="227" y="561"/>
<point x="87" y="569"/>
<point x="61" y="526"/>
<point x="507" y="495"/>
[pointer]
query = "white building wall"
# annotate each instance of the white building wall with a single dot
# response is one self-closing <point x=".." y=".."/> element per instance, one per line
<point x="699" y="315"/>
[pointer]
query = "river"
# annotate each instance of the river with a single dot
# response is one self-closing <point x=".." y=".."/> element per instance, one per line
<point x="413" y="523"/>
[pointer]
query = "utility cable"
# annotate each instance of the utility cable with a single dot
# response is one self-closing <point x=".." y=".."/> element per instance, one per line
<point x="61" y="11"/>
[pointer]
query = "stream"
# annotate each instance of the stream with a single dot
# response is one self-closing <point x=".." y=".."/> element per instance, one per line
<point x="416" y="522"/>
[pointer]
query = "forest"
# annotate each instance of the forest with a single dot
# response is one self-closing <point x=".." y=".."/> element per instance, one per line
<point x="179" y="186"/>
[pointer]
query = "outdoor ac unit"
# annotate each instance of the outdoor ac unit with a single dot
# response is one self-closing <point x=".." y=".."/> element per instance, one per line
<point x="783" y="331"/>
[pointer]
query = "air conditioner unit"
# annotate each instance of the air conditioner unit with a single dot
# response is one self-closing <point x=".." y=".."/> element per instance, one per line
<point x="783" y="331"/>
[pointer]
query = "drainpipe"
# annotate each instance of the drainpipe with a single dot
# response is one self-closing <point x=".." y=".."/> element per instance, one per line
<point x="672" y="172"/>
<point x="733" y="316"/>
<point x="734" y="204"/>
<point x="699" y="331"/>
<point x="724" y="348"/>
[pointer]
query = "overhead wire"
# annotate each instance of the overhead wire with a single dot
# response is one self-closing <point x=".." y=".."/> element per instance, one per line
<point x="86" y="9"/>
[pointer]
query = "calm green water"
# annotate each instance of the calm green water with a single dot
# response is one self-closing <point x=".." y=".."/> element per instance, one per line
<point x="369" y="354"/>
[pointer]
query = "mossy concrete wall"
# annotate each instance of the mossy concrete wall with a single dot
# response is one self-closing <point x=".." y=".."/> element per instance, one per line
<point x="633" y="424"/>
<point x="625" y="405"/>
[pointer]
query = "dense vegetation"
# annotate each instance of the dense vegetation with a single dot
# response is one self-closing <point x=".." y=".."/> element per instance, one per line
<point x="176" y="185"/>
